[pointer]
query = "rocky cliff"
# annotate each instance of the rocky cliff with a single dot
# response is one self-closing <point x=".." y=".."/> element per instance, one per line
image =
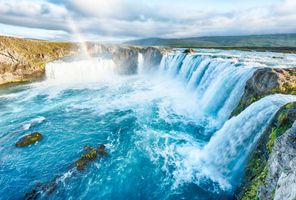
<point x="270" y="172"/>
<point x="24" y="60"/>
<point x="267" y="81"/>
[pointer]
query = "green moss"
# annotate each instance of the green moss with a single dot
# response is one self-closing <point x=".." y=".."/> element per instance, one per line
<point x="257" y="167"/>
<point x="271" y="141"/>
<point x="251" y="192"/>
<point x="29" y="139"/>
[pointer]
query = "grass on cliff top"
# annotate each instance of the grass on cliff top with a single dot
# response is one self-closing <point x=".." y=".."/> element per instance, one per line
<point x="34" y="52"/>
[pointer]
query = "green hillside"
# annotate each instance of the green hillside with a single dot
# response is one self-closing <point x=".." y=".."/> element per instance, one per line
<point x="255" y="41"/>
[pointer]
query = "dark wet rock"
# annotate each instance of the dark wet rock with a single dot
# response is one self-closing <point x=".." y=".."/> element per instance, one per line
<point x="29" y="139"/>
<point x="152" y="57"/>
<point x="188" y="51"/>
<point x="102" y="150"/>
<point x="90" y="153"/>
<point x="126" y="60"/>
<point x="42" y="189"/>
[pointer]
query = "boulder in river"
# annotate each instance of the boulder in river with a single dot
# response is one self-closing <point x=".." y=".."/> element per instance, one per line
<point x="29" y="139"/>
<point x="90" y="153"/>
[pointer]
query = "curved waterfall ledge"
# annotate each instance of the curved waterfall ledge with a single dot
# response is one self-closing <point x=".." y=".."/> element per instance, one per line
<point x="265" y="82"/>
<point x="270" y="171"/>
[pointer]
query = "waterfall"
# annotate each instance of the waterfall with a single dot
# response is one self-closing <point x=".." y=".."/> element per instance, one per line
<point x="140" y="63"/>
<point x="217" y="83"/>
<point x="228" y="149"/>
<point x="93" y="69"/>
<point x="223" y="158"/>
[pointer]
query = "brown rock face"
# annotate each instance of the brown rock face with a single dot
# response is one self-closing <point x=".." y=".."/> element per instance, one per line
<point x="265" y="82"/>
<point x="24" y="60"/>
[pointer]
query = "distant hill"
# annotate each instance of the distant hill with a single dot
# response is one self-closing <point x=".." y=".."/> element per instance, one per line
<point x="257" y="41"/>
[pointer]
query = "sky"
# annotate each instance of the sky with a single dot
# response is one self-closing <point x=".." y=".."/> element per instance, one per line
<point x="121" y="20"/>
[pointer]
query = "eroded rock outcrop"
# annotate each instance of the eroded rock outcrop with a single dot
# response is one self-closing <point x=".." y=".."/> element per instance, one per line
<point x="24" y="60"/>
<point x="280" y="182"/>
<point x="267" y="81"/>
<point x="126" y="60"/>
<point x="270" y="166"/>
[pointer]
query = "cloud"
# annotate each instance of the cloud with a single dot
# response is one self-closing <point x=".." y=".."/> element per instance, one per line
<point x="33" y="13"/>
<point x="132" y="19"/>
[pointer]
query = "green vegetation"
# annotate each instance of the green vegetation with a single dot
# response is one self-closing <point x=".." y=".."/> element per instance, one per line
<point x="277" y="42"/>
<point x="257" y="167"/>
<point x="287" y="88"/>
<point x="34" y="52"/>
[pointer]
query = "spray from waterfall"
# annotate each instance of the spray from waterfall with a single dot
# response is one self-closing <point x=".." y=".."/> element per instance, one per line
<point x="140" y="63"/>
<point x="91" y="70"/>
<point x="78" y="36"/>
<point x="223" y="158"/>
<point x="217" y="84"/>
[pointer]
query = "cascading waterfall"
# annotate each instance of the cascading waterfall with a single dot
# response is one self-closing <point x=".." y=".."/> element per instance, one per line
<point x="140" y="63"/>
<point x="93" y="69"/>
<point x="217" y="83"/>
<point x="223" y="158"/>
<point x="168" y="136"/>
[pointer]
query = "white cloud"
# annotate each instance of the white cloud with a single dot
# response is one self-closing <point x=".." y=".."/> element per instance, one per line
<point x="137" y="19"/>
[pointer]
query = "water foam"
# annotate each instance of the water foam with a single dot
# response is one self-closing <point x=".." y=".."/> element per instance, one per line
<point x="91" y="70"/>
<point x="222" y="159"/>
<point x="217" y="83"/>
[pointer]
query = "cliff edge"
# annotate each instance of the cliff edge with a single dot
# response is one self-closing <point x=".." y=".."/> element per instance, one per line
<point x="25" y="59"/>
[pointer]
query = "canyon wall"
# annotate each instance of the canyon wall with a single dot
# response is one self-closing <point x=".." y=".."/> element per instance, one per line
<point x="24" y="59"/>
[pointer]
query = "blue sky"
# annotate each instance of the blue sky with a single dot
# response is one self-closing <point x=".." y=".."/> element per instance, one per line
<point x="113" y="20"/>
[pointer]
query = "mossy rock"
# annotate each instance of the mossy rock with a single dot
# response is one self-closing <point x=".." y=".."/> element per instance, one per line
<point x="257" y="167"/>
<point x="90" y="153"/>
<point x="29" y="139"/>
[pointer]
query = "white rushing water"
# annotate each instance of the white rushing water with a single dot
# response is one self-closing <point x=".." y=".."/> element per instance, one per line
<point x="218" y="84"/>
<point x="140" y="63"/>
<point x="223" y="158"/>
<point x="87" y="70"/>
<point x="215" y="85"/>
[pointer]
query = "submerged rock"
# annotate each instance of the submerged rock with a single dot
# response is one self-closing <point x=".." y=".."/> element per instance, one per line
<point x="90" y="154"/>
<point x="40" y="189"/>
<point x="48" y="188"/>
<point x="29" y="139"/>
<point x="102" y="150"/>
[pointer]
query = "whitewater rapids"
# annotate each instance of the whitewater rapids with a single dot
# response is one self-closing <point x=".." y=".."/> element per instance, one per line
<point x="168" y="132"/>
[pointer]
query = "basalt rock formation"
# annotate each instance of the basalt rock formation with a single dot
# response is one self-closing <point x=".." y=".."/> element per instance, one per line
<point x="267" y="81"/>
<point x="270" y="172"/>
<point x="24" y="60"/>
